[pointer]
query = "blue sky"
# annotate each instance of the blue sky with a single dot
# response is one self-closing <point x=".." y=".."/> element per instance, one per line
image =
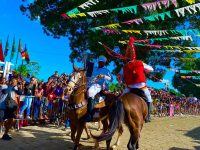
<point x="52" y="54"/>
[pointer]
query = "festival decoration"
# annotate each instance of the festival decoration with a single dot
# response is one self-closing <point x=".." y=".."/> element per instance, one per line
<point x="184" y="71"/>
<point x="191" y="77"/>
<point x="76" y="15"/>
<point x="153" y="5"/>
<point x="163" y="15"/>
<point x="96" y="13"/>
<point x="131" y="9"/>
<point x="191" y="9"/>
<point x="187" y="38"/>
<point x="190" y="1"/>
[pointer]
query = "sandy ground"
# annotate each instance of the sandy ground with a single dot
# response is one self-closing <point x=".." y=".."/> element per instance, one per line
<point x="178" y="133"/>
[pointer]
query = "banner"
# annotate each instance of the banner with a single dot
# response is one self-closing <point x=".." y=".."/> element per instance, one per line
<point x="130" y="9"/>
<point x="191" y="9"/>
<point x="153" y="5"/>
<point x="191" y="77"/>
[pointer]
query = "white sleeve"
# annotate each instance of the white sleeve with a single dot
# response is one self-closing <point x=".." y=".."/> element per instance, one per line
<point x="148" y="68"/>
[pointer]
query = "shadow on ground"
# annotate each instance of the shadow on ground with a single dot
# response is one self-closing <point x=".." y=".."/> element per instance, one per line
<point x="195" y="135"/>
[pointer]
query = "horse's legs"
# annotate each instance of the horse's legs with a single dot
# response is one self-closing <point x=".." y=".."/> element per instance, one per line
<point x="78" y="135"/>
<point x="129" y="146"/>
<point x="120" y="131"/>
<point x="86" y="130"/>
<point x="105" y="125"/>
<point x="108" y="144"/>
<point x="73" y="131"/>
<point x="99" y="126"/>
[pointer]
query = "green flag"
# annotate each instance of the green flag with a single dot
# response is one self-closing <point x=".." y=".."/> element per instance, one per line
<point x="7" y="47"/>
<point x="13" y="49"/>
<point x="20" y="46"/>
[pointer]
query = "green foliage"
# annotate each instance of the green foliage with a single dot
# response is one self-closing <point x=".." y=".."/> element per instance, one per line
<point x="186" y="86"/>
<point x="32" y="68"/>
<point x="82" y="38"/>
<point x="115" y="87"/>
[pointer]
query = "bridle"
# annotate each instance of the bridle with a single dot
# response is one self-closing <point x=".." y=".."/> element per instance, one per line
<point x="76" y="84"/>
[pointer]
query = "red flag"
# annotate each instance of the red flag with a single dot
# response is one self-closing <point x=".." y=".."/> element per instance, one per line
<point x="1" y="53"/>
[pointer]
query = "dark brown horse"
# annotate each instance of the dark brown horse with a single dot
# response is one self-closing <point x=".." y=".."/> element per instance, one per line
<point x="77" y="89"/>
<point x="131" y="110"/>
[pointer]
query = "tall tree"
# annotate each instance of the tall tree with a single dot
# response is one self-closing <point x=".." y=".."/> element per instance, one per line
<point x="79" y="30"/>
<point x="33" y="68"/>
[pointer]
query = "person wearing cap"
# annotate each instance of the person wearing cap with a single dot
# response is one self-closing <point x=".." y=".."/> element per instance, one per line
<point x="100" y="75"/>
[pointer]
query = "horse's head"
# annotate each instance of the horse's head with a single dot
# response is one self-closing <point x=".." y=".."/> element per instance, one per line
<point x="77" y="79"/>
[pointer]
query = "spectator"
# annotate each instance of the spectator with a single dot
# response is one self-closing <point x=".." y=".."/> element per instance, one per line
<point x="4" y="112"/>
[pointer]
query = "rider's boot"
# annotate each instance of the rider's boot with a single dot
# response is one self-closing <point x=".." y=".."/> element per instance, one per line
<point x="148" y="119"/>
<point x="90" y="107"/>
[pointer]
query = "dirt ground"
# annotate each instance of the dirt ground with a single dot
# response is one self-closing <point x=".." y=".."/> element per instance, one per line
<point x="178" y="133"/>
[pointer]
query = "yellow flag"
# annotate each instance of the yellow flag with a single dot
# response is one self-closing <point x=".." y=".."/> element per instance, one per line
<point x="112" y="26"/>
<point x="190" y="1"/>
<point x="132" y="31"/>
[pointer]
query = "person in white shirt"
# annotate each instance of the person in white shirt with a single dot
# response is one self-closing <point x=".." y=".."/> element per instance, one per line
<point x="100" y="76"/>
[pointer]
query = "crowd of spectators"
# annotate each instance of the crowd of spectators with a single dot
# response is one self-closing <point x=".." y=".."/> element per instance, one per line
<point x="39" y="100"/>
<point x="166" y="103"/>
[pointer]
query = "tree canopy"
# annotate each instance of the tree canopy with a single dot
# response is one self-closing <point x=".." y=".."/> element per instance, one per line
<point x="83" y="38"/>
<point x="33" y="68"/>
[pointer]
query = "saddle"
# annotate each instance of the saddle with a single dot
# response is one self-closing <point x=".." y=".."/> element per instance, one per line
<point x="100" y="100"/>
<point x="139" y="92"/>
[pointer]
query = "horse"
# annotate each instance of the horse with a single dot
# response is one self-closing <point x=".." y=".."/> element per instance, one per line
<point x="76" y="88"/>
<point x="130" y="109"/>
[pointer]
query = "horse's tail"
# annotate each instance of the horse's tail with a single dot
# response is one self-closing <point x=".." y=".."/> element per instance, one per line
<point x="116" y="115"/>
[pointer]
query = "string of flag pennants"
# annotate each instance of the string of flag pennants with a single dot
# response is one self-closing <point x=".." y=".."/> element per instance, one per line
<point x="184" y="71"/>
<point x="192" y="9"/>
<point x="152" y="32"/>
<point x="186" y="38"/>
<point x="165" y="46"/>
<point x="191" y="77"/>
<point x="152" y="6"/>
<point x="178" y="59"/>
<point x="177" y="51"/>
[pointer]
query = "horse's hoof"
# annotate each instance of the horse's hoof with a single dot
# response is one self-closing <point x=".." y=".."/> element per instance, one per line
<point x="114" y="146"/>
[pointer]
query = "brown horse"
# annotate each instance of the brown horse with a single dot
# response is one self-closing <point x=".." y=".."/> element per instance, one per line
<point x="77" y="90"/>
<point x="130" y="109"/>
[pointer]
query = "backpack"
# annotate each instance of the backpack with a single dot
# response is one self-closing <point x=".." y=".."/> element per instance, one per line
<point x="11" y="104"/>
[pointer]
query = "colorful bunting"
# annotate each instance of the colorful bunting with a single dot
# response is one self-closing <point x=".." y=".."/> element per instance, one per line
<point x="153" y="5"/>
<point x="190" y="1"/>
<point x="131" y="9"/>
<point x="191" y="77"/>
<point x="163" y="15"/>
<point x="1" y="52"/>
<point x="96" y="13"/>
<point x="187" y="38"/>
<point x="191" y="9"/>
<point x="88" y="4"/>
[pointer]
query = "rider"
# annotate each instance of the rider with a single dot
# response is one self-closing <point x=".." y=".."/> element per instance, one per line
<point x="133" y="74"/>
<point x="102" y="75"/>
